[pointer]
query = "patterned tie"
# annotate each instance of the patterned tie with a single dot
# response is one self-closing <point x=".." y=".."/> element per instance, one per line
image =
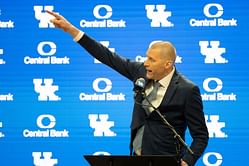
<point x="151" y="96"/>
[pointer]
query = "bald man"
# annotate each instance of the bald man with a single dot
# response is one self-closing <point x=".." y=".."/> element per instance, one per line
<point x="177" y="98"/>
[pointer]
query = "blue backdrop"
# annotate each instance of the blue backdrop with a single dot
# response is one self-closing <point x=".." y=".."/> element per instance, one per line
<point x="57" y="103"/>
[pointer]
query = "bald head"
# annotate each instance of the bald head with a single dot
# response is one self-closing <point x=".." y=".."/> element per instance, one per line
<point x="167" y="50"/>
<point x="160" y="60"/>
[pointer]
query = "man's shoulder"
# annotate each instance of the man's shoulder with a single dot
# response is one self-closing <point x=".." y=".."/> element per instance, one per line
<point x="185" y="81"/>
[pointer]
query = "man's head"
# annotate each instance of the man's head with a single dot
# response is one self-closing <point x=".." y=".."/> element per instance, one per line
<point x="160" y="60"/>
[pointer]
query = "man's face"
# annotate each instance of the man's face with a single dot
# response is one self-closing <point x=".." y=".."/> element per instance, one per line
<point x="155" y="65"/>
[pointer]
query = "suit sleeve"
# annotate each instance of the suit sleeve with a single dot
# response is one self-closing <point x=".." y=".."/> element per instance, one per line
<point x="197" y="126"/>
<point x="124" y="66"/>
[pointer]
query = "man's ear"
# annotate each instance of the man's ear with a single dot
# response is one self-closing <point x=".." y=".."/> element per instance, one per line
<point x="167" y="65"/>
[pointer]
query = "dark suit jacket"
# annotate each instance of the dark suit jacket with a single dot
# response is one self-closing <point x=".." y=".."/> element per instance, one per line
<point x="181" y="106"/>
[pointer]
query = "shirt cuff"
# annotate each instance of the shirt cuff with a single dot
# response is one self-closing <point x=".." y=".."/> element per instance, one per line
<point x="78" y="36"/>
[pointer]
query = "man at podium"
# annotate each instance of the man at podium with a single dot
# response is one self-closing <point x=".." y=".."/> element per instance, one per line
<point x="161" y="93"/>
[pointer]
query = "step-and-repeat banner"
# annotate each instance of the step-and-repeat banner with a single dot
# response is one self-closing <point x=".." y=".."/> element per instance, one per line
<point x="57" y="103"/>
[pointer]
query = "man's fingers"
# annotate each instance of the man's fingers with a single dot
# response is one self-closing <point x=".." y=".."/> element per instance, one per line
<point x="54" y="21"/>
<point x="59" y="21"/>
<point x="54" y="14"/>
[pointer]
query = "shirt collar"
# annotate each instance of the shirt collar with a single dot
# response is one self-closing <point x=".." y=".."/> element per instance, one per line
<point x="166" y="80"/>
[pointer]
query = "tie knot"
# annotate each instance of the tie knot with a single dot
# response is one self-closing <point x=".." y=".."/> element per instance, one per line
<point x="156" y="84"/>
<point x="150" y="97"/>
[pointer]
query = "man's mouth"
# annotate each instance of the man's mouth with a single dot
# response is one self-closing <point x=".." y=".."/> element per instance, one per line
<point x="149" y="71"/>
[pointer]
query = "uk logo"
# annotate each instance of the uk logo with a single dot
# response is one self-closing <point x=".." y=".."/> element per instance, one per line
<point x="46" y="89"/>
<point x="158" y="15"/>
<point x="212" y="52"/>
<point x="44" y="17"/>
<point x="44" y="159"/>
<point x="215" y="127"/>
<point x="101" y="125"/>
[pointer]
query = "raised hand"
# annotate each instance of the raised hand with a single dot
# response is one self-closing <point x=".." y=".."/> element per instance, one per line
<point x="60" y="22"/>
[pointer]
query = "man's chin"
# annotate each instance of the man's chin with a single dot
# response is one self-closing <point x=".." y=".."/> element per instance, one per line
<point x="149" y="76"/>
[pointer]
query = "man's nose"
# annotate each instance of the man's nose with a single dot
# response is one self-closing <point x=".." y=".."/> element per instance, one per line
<point x="146" y="63"/>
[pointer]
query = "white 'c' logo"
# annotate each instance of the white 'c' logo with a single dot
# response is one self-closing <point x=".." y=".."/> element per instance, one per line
<point x="41" y="45"/>
<point x="207" y="12"/>
<point x="107" y="87"/>
<point x="218" y="157"/>
<point x="40" y="122"/>
<point x="218" y="82"/>
<point x="108" y="10"/>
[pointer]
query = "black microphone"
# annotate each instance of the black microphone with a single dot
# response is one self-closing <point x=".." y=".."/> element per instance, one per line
<point x="139" y="86"/>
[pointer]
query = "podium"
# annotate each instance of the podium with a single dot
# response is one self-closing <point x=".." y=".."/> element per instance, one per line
<point x="150" y="160"/>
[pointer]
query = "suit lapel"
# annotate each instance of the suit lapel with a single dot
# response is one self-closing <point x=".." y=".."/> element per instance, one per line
<point x="171" y="88"/>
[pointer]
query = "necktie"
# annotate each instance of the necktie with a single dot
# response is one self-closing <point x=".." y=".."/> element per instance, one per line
<point x="150" y="97"/>
<point x="137" y="142"/>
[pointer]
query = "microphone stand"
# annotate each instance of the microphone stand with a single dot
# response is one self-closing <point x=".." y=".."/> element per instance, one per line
<point x="176" y="135"/>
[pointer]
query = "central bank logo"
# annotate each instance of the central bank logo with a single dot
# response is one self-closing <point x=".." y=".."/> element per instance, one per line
<point x="2" y="61"/>
<point x="44" y="159"/>
<point x="47" y="51"/>
<point x="102" y="88"/>
<point x="212" y="51"/>
<point x="1" y="133"/>
<point x="42" y="16"/>
<point x="46" y="124"/>
<point x="158" y="16"/>
<point x="213" y="87"/>
<point x="213" y="13"/>
<point x="5" y="23"/>
<point x="141" y="58"/>
<point x="101" y="125"/>
<point x="46" y="89"/>
<point x="6" y="97"/>
<point x="215" y="127"/>
<point x="103" y="14"/>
